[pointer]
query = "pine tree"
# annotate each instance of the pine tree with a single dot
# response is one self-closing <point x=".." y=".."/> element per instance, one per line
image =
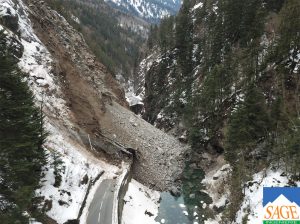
<point x="166" y="34"/>
<point x="22" y="137"/>
<point x="184" y="43"/>
<point x="248" y="125"/>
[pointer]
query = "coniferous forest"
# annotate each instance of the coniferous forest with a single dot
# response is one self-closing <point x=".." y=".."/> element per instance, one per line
<point x="22" y="136"/>
<point x="116" y="46"/>
<point x="108" y="118"/>
<point x="228" y="71"/>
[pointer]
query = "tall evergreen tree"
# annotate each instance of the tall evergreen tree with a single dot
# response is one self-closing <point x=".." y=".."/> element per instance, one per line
<point x="184" y="43"/>
<point x="21" y="139"/>
<point x="248" y="125"/>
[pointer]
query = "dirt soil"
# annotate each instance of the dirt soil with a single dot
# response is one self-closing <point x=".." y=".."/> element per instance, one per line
<point x="97" y="103"/>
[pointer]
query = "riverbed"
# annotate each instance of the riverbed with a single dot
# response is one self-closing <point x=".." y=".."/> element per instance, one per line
<point x="191" y="207"/>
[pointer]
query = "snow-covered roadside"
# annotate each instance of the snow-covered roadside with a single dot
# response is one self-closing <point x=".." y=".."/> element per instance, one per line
<point x="121" y="181"/>
<point x="141" y="204"/>
<point x="76" y="170"/>
<point x="75" y="166"/>
<point x="253" y="201"/>
<point x="91" y="196"/>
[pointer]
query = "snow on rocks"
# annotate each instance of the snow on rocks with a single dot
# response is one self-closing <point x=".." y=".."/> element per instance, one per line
<point x="133" y="99"/>
<point x="143" y="69"/>
<point x="70" y="167"/>
<point x="141" y="204"/>
<point x="295" y="58"/>
<point x="121" y="181"/>
<point x="199" y="5"/>
<point x="149" y="10"/>
<point x="66" y="199"/>
<point x="254" y="193"/>
<point x="6" y="8"/>
<point x="216" y="184"/>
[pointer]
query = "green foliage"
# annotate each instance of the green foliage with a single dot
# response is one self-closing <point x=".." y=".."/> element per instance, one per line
<point x="58" y="169"/>
<point x="184" y="43"/>
<point x="162" y="35"/>
<point x="152" y="36"/>
<point x="166" y="33"/>
<point x="157" y="89"/>
<point x="248" y="125"/>
<point x="22" y="137"/>
<point x="274" y="5"/>
<point x="243" y="20"/>
<point x="116" y="47"/>
<point x="236" y="63"/>
<point x="285" y="145"/>
<point x="220" y="57"/>
<point x="289" y="42"/>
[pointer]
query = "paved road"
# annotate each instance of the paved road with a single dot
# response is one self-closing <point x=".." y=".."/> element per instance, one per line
<point x="100" y="210"/>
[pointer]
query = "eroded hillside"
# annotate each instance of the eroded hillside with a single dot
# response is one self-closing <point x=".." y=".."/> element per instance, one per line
<point x="85" y="110"/>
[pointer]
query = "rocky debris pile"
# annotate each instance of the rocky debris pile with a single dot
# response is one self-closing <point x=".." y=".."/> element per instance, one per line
<point x="82" y="99"/>
<point x="159" y="157"/>
<point x="96" y="101"/>
<point x="70" y="166"/>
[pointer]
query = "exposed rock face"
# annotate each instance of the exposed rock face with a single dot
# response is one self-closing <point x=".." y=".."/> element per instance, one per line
<point x="10" y="20"/>
<point x="85" y="83"/>
<point x="85" y="110"/>
<point x="97" y="103"/>
<point x="70" y="49"/>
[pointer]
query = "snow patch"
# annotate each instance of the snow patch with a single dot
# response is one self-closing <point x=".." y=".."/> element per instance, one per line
<point x="216" y="183"/>
<point x="133" y="99"/>
<point x="199" y="5"/>
<point x="69" y="163"/>
<point x="140" y="201"/>
<point x="252" y="205"/>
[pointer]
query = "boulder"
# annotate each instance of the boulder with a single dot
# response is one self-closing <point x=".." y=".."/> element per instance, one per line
<point x="175" y="191"/>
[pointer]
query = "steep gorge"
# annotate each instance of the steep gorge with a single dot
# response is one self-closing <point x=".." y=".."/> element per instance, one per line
<point x="85" y="111"/>
<point x="224" y="76"/>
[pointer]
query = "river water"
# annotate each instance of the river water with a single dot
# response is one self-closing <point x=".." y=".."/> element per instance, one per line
<point x="191" y="206"/>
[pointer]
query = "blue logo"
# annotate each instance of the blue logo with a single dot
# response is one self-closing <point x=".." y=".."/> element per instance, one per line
<point x="281" y="205"/>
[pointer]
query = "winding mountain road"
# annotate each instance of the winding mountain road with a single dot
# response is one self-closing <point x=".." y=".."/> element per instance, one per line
<point x="101" y="208"/>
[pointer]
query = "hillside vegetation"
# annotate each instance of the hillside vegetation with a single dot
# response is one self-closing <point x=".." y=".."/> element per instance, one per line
<point x="115" y="38"/>
<point x="22" y="136"/>
<point x="227" y="76"/>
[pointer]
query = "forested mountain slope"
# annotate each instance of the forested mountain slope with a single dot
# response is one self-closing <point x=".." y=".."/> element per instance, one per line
<point x="21" y="131"/>
<point x="114" y="37"/>
<point x="224" y="75"/>
<point x="149" y="10"/>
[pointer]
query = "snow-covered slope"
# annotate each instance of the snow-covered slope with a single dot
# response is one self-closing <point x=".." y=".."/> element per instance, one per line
<point x="68" y="160"/>
<point x="140" y="200"/>
<point x="81" y="102"/>
<point x="253" y="200"/>
<point x="150" y="10"/>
